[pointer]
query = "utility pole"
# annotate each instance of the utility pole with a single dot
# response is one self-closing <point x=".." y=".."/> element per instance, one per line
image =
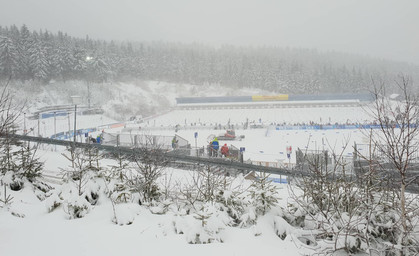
<point x="76" y="100"/>
<point x="196" y="144"/>
<point x="89" y="64"/>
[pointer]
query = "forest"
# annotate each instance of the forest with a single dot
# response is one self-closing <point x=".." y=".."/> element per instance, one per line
<point x="41" y="56"/>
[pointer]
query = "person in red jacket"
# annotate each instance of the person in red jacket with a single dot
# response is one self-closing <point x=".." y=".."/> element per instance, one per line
<point x="224" y="150"/>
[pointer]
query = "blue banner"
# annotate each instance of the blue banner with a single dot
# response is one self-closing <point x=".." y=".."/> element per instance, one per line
<point x="333" y="127"/>
<point x="69" y="135"/>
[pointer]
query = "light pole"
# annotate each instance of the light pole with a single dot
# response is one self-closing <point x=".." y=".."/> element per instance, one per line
<point x="76" y="100"/>
<point x="196" y="144"/>
<point x="88" y="60"/>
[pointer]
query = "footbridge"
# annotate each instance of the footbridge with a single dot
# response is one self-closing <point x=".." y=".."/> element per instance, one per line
<point x="175" y="156"/>
<point x="178" y="158"/>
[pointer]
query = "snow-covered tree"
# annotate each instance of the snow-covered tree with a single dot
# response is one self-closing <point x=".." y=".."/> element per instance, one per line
<point x="24" y="46"/>
<point x="397" y="140"/>
<point x="9" y="113"/>
<point x="149" y="162"/>
<point x="264" y="194"/>
<point x="83" y="183"/>
<point x="118" y="175"/>
<point x="39" y="63"/>
<point x="9" y="58"/>
<point x="28" y="164"/>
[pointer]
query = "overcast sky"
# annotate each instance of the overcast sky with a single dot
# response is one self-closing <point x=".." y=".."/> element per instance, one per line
<point x="379" y="28"/>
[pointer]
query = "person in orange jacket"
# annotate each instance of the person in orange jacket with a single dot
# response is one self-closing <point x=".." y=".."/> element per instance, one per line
<point x="224" y="150"/>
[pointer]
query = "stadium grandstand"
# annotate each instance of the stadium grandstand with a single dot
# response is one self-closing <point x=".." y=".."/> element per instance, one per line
<point x="273" y="101"/>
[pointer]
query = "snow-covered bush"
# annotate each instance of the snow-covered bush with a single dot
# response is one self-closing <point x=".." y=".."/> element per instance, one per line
<point x="207" y="226"/>
<point x="28" y="164"/>
<point x="249" y="217"/>
<point x="149" y="162"/>
<point x="234" y="198"/>
<point x="19" y="161"/>
<point x="119" y="189"/>
<point x="160" y="207"/>
<point x="53" y="202"/>
<point x="125" y="214"/>
<point x="84" y="184"/>
<point x="76" y="206"/>
<point x="349" y="214"/>
<point x="6" y="180"/>
<point x="258" y="200"/>
<point x="263" y="193"/>
<point x="121" y="193"/>
<point x="282" y="228"/>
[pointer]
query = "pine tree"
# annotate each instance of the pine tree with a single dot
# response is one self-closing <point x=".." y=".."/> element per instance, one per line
<point x="118" y="173"/>
<point x="38" y="61"/>
<point x="79" y="64"/>
<point x="28" y="163"/>
<point x="99" y="68"/>
<point x="263" y="193"/>
<point x="24" y="46"/>
<point x="9" y="58"/>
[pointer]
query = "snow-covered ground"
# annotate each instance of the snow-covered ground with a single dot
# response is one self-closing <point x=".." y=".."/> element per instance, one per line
<point x="47" y="127"/>
<point x="269" y="145"/>
<point x="263" y="144"/>
<point x="37" y="232"/>
<point x="290" y="115"/>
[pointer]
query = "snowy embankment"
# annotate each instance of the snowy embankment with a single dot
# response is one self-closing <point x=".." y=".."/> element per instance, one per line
<point x="44" y="233"/>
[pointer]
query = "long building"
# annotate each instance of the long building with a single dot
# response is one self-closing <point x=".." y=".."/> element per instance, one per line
<point x="273" y="101"/>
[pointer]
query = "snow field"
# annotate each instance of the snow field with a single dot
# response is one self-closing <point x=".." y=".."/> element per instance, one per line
<point x="265" y="144"/>
<point x="63" y="123"/>
<point x="269" y="145"/>
<point x="291" y="115"/>
<point x="152" y="234"/>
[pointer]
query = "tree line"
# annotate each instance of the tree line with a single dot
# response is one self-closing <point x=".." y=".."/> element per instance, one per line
<point x="42" y="56"/>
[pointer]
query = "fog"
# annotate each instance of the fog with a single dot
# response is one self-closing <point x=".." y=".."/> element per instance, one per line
<point x="378" y="28"/>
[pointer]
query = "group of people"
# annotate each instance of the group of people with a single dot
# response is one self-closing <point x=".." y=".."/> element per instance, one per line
<point x="98" y="139"/>
<point x="214" y="146"/>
